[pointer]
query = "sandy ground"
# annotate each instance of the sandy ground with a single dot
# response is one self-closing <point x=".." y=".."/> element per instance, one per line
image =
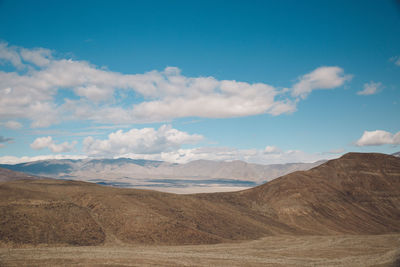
<point x="345" y="250"/>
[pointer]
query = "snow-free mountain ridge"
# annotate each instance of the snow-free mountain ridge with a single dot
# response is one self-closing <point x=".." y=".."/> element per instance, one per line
<point x="195" y="176"/>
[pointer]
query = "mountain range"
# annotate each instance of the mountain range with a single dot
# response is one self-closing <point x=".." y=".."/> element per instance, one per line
<point x="195" y="176"/>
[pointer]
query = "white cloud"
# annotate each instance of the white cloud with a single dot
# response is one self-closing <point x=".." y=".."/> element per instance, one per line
<point x="103" y="96"/>
<point x="271" y="150"/>
<point x="377" y="138"/>
<point x="169" y="95"/>
<point x="10" y="54"/>
<point x="48" y="142"/>
<point x="39" y="56"/>
<point x="320" y="78"/>
<point x="139" y="141"/>
<point x="94" y="93"/>
<point x="16" y="160"/>
<point x="20" y="57"/>
<point x="371" y="88"/>
<point x="164" y="95"/>
<point x="14" y="125"/>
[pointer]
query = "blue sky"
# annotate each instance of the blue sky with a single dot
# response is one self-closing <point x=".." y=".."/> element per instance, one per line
<point x="261" y="81"/>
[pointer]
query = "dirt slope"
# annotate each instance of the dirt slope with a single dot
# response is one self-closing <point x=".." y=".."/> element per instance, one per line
<point x="356" y="194"/>
<point x="7" y="175"/>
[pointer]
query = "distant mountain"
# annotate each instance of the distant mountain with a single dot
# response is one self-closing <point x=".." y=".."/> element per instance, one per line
<point x="355" y="194"/>
<point x="195" y="176"/>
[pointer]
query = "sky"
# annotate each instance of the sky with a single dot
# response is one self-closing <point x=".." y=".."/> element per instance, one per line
<point x="260" y="81"/>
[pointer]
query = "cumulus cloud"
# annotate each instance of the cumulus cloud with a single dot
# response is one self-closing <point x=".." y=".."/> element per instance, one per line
<point x="271" y="150"/>
<point x="10" y="54"/>
<point x="378" y="138"/>
<point x="39" y="56"/>
<point x="139" y="141"/>
<point x="371" y="88"/>
<point x="48" y="142"/>
<point x="165" y="144"/>
<point x="320" y="78"/>
<point x="102" y="96"/>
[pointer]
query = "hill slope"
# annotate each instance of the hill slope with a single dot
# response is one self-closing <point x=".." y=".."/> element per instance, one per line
<point x="7" y="175"/>
<point x="356" y="194"/>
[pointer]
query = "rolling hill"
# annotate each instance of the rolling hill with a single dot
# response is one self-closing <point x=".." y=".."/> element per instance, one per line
<point x="355" y="194"/>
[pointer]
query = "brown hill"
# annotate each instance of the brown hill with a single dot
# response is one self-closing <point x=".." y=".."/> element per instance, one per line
<point x="7" y="175"/>
<point x="356" y="194"/>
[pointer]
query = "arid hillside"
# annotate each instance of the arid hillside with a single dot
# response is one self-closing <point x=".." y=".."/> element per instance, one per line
<point x="7" y="175"/>
<point x="356" y="194"/>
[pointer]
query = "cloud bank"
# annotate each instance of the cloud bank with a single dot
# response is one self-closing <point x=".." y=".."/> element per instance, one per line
<point x="47" y="90"/>
<point x="139" y="141"/>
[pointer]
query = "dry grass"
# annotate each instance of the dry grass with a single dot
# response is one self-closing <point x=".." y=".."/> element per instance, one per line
<point x="343" y="250"/>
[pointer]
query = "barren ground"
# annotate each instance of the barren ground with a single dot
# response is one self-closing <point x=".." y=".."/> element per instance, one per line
<point x="343" y="250"/>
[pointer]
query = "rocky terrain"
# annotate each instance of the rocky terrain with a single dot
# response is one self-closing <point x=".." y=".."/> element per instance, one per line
<point x="345" y="212"/>
<point x="356" y="194"/>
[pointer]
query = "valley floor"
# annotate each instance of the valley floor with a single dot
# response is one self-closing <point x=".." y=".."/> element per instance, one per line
<point x="343" y="250"/>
